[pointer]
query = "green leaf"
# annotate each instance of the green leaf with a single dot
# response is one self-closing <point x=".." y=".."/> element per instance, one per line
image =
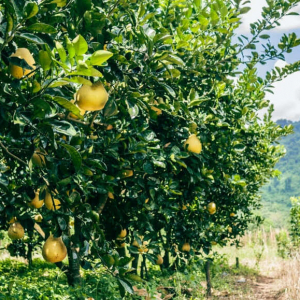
<point x="75" y="156"/>
<point x="133" y="109"/>
<point x="45" y="60"/>
<point x="30" y="10"/>
<point x="77" y="79"/>
<point x="168" y="89"/>
<point x="124" y="261"/>
<point x="111" y="108"/>
<point x="80" y="45"/>
<point x="239" y="147"/>
<point x="126" y="285"/>
<point x="134" y="277"/>
<point x="31" y="38"/>
<point x="61" y="51"/>
<point x="159" y="163"/>
<point x="62" y="223"/>
<point x="87" y="72"/>
<point x="244" y="10"/>
<point x="161" y="37"/>
<point x="63" y="127"/>
<point x="41" y="27"/>
<point x="59" y="82"/>
<point x="99" y="57"/>
<point x="264" y="36"/>
<point x="70" y="47"/>
<point x="67" y="105"/>
<point x="174" y="59"/>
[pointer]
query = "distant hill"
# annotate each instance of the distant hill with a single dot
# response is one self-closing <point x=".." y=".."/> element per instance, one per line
<point x="276" y="195"/>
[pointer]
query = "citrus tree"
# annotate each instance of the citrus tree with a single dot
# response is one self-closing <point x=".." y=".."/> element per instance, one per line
<point x="121" y="123"/>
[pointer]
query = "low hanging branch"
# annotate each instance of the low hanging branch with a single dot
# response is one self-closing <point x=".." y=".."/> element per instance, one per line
<point x="12" y="155"/>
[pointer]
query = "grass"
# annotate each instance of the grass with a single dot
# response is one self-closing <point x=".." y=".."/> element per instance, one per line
<point x="265" y="274"/>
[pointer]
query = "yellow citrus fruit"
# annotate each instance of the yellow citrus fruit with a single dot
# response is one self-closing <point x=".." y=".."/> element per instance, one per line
<point x="36" y="202"/>
<point x="135" y="243"/>
<point x="157" y="110"/>
<point x="232" y="214"/>
<point x="186" y="247"/>
<point x="194" y="144"/>
<point x="159" y="260"/>
<point x="54" y="249"/>
<point x="92" y="98"/>
<point x="15" y="231"/>
<point x="121" y="245"/>
<point x="18" y="72"/>
<point x="110" y="195"/>
<point x="38" y="158"/>
<point x="123" y="233"/>
<point x="127" y="173"/>
<point x="38" y="218"/>
<point x="214" y="243"/>
<point x="212" y="208"/>
<point x="230" y="229"/>
<point x="50" y="202"/>
<point x="109" y="127"/>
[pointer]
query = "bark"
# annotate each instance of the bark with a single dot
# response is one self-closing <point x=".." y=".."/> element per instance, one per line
<point x="237" y="262"/>
<point x="208" y="280"/>
<point x="29" y="254"/>
<point x="135" y="262"/>
<point x="73" y="273"/>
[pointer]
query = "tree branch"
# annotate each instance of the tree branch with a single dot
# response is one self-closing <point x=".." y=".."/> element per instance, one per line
<point x="12" y="155"/>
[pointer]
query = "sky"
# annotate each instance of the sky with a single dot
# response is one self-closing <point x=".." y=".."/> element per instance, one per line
<point x="286" y="97"/>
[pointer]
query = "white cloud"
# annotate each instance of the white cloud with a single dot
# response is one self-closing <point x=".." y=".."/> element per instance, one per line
<point x="287" y="23"/>
<point x="286" y="97"/>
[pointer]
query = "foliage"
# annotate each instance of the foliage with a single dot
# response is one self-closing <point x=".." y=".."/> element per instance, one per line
<point x="276" y="194"/>
<point x="177" y="57"/>
<point x="284" y="246"/>
<point x="295" y="221"/>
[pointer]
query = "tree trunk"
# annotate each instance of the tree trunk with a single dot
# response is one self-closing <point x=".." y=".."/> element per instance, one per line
<point x="166" y="258"/>
<point x="73" y="273"/>
<point x="237" y="263"/>
<point x="135" y="262"/>
<point x="208" y="280"/>
<point x="29" y="254"/>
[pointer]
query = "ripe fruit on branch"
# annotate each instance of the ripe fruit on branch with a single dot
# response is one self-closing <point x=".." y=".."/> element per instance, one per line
<point x="18" y="72"/>
<point x="159" y="260"/>
<point x="15" y="231"/>
<point x="38" y="158"/>
<point x="36" y="202"/>
<point x="110" y="195"/>
<point x="122" y="234"/>
<point x="50" y="202"/>
<point x="54" y="249"/>
<point x="232" y="214"/>
<point x="127" y="173"/>
<point x="186" y="247"/>
<point x="194" y="144"/>
<point x="92" y="98"/>
<point x="38" y="218"/>
<point x="212" y="208"/>
<point x="135" y="243"/>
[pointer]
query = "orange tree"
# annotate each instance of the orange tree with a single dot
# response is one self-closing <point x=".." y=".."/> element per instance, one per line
<point x="105" y="166"/>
